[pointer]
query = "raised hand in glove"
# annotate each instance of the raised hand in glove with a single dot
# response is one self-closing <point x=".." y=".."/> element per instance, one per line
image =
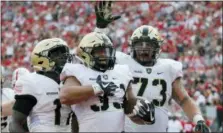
<point x="102" y="87"/>
<point x="201" y="127"/>
<point x="145" y="111"/>
<point x="103" y="13"/>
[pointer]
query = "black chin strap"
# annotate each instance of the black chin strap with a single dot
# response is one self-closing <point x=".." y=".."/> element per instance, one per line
<point x="143" y="63"/>
<point x="98" y="69"/>
<point x="146" y="63"/>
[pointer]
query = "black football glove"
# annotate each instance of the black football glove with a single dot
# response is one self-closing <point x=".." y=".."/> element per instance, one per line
<point x="145" y="111"/>
<point x="108" y="88"/>
<point x="201" y="127"/>
<point x="103" y="13"/>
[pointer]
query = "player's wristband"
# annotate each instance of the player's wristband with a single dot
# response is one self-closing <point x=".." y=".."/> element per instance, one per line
<point x="97" y="89"/>
<point x="131" y="115"/>
<point x="197" y="117"/>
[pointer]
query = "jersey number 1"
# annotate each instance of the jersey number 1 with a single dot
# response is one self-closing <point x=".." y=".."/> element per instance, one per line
<point x="57" y="111"/>
<point x="58" y="114"/>
<point x="155" y="82"/>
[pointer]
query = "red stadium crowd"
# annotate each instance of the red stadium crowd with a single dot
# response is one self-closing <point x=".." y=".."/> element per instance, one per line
<point x="192" y="32"/>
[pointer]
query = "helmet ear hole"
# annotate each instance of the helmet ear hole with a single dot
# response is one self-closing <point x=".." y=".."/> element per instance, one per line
<point x="83" y="57"/>
<point x="40" y="62"/>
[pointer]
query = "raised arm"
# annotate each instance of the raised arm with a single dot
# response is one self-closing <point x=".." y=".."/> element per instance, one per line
<point x="104" y="16"/>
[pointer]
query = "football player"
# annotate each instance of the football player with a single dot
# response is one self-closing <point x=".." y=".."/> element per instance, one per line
<point x="18" y="73"/>
<point x="97" y="88"/>
<point x="37" y="94"/>
<point x="7" y="104"/>
<point x="154" y="78"/>
<point x="7" y="95"/>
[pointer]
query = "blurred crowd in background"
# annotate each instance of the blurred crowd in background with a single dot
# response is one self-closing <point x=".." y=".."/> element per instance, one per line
<point x="192" y="32"/>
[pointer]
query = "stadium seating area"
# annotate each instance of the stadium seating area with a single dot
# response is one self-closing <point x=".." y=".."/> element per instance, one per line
<point x="192" y="32"/>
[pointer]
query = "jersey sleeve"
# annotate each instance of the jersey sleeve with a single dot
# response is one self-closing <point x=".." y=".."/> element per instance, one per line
<point x="67" y="71"/>
<point x="126" y="74"/>
<point x="176" y="70"/>
<point x="24" y="86"/>
<point x="10" y="93"/>
<point x="70" y="70"/>
<point x="122" y="58"/>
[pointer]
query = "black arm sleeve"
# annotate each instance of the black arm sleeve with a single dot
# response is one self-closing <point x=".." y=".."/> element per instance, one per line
<point x="21" y="109"/>
<point x="24" y="103"/>
<point x="17" y="122"/>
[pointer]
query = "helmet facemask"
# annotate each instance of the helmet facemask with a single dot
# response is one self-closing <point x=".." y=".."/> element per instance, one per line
<point x="145" y="51"/>
<point x="102" y="57"/>
<point x="60" y="56"/>
<point x="57" y="57"/>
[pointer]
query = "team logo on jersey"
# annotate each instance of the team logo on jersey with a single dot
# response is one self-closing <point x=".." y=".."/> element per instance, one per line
<point x="114" y="78"/>
<point x="159" y="73"/>
<point x="105" y="77"/>
<point x="148" y="70"/>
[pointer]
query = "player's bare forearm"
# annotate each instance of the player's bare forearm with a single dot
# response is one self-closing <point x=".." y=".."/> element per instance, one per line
<point x="181" y="96"/>
<point x="190" y="108"/>
<point x="129" y="103"/>
<point x="128" y="107"/>
<point x="72" y="92"/>
<point x="75" y="94"/>
<point x="7" y="108"/>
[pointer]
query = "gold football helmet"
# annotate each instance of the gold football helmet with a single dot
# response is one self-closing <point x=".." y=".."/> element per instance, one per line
<point x="97" y="51"/>
<point x="50" y="55"/>
<point x="145" y="45"/>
